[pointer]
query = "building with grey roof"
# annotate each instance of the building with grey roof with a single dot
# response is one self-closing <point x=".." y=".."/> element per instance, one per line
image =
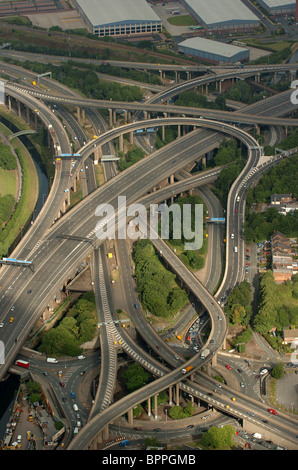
<point x="215" y="52"/>
<point x="222" y="15"/>
<point x="278" y="7"/>
<point x="118" y="17"/>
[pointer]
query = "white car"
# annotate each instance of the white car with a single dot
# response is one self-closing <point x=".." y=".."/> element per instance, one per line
<point x="1" y="325"/>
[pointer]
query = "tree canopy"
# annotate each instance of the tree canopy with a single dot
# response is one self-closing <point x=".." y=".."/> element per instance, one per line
<point x="157" y="287"/>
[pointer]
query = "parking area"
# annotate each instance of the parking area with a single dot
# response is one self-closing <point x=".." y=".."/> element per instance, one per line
<point x="164" y="11"/>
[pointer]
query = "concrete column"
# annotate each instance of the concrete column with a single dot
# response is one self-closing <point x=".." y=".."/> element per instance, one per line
<point x="155" y="406"/>
<point x="110" y="117"/>
<point x="163" y="132"/>
<point x="78" y="114"/>
<point x="179" y="130"/>
<point x="9" y="103"/>
<point x="106" y="432"/>
<point x="19" y="108"/>
<point x="121" y="142"/>
<point x="257" y="127"/>
<point x="170" y="395"/>
<point x="114" y="116"/>
<point x="130" y="416"/>
<point x="177" y="394"/>
<point x="214" y="360"/>
<point x="97" y="154"/>
<point x="149" y="406"/>
<point x="131" y="137"/>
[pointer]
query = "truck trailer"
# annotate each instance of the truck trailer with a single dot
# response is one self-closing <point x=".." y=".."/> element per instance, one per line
<point x="205" y="353"/>
<point x="186" y="369"/>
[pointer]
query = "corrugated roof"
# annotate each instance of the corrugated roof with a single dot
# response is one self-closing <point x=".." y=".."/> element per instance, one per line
<point x="101" y="12"/>
<point x="214" y="47"/>
<point x="279" y="3"/>
<point x="221" y="11"/>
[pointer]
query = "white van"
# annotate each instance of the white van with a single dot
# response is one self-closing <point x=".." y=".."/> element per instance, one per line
<point x="81" y="357"/>
<point x="53" y="360"/>
<point x="75" y="407"/>
<point x="235" y="249"/>
<point x="19" y="438"/>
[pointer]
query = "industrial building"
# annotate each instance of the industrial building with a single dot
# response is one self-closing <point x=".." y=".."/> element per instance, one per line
<point x="213" y="52"/>
<point x="278" y="7"/>
<point x="118" y="17"/>
<point x="222" y="15"/>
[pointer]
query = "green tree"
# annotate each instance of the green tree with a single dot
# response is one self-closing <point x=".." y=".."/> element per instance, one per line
<point x="278" y="371"/>
<point x="218" y="438"/>
<point x="136" y="377"/>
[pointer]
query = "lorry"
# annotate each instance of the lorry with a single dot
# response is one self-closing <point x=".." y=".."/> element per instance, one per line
<point x="205" y="353"/>
<point x="186" y="369"/>
<point x="22" y="363"/>
<point x="53" y="360"/>
<point x="124" y="443"/>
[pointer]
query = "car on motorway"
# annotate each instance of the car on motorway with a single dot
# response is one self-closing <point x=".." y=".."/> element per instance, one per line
<point x="12" y="308"/>
<point x="62" y="384"/>
<point x="250" y="413"/>
<point x="1" y="325"/>
<point x="272" y="411"/>
<point x="228" y="367"/>
<point x="241" y="384"/>
<point x="11" y="319"/>
<point x="137" y="305"/>
<point x="157" y="430"/>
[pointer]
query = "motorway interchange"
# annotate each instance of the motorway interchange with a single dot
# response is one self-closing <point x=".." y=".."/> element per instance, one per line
<point x="40" y="246"/>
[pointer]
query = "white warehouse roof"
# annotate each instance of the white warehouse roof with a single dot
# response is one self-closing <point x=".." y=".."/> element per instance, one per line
<point x="221" y="11"/>
<point x="279" y="3"/>
<point x="213" y="47"/>
<point x="102" y="12"/>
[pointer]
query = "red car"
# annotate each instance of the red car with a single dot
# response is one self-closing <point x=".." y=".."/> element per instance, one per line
<point x="272" y="411"/>
<point x="228" y="367"/>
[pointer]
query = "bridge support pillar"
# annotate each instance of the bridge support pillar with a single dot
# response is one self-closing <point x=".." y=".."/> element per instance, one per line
<point x="131" y="137"/>
<point x="214" y="361"/>
<point x="110" y="117"/>
<point x="105" y="432"/>
<point x="9" y="102"/>
<point x="155" y="407"/>
<point x="257" y="127"/>
<point x="170" y="396"/>
<point x="177" y="394"/>
<point x="130" y="416"/>
<point x="149" y="406"/>
<point x="163" y="133"/>
<point x="97" y="154"/>
<point x="179" y="130"/>
<point x="121" y="142"/>
<point x="19" y="108"/>
<point x="177" y="76"/>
